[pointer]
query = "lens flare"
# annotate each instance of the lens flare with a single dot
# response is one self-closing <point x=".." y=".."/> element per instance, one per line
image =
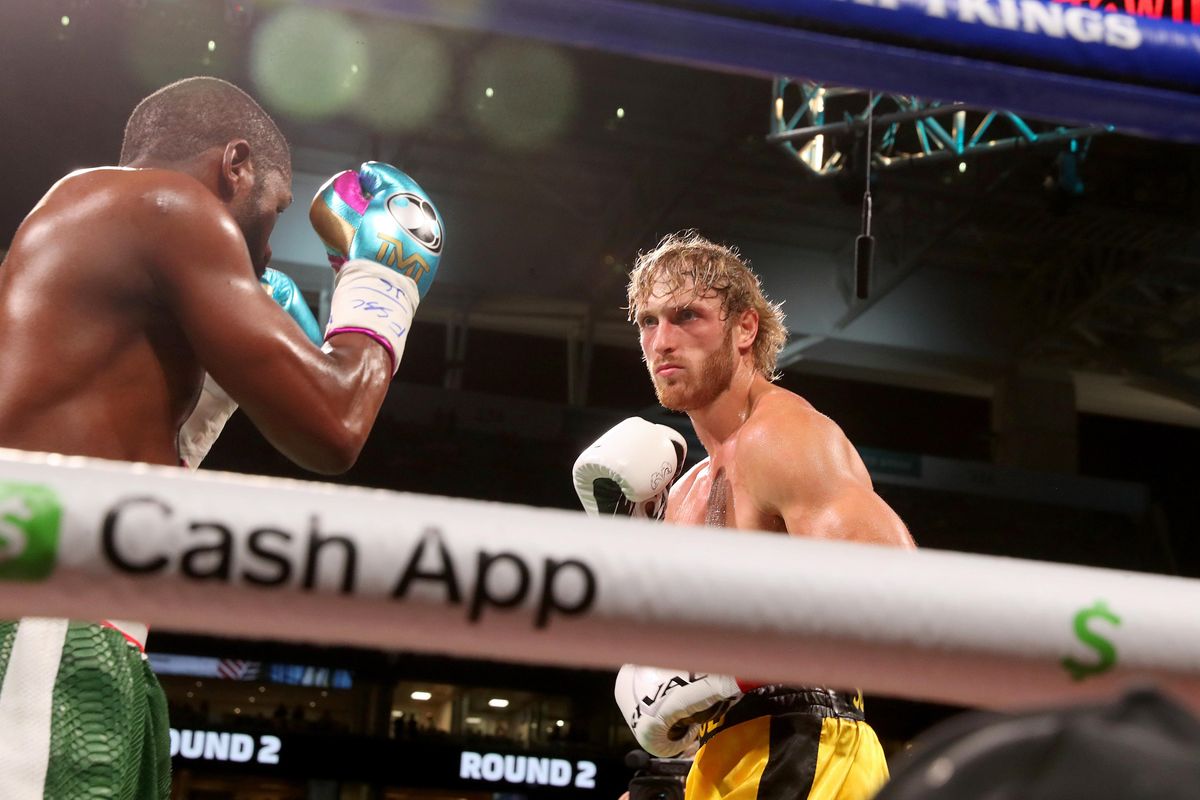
<point x="301" y="61"/>
<point x="534" y="94"/>
<point x="410" y="79"/>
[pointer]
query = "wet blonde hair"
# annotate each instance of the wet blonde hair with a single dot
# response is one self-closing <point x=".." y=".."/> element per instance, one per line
<point x="688" y="256"/>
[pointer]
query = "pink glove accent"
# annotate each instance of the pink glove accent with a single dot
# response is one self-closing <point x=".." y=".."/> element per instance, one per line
<point x="367" y="332"/>
<point x="350" y="190"/>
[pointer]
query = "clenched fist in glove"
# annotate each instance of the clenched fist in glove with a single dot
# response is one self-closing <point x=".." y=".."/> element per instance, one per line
<point x="630" y="469"/>
<point x="384" y="240"/>
<point x="665" y="708"/>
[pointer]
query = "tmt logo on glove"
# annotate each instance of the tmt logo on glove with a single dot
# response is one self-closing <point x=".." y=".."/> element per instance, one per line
<point x="417" y="217"/>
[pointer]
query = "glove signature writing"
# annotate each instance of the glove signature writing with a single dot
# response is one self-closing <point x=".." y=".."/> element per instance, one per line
<point x="392" y="290"/>
<point x="393" y="295"/>
<point x="381" y="311"/>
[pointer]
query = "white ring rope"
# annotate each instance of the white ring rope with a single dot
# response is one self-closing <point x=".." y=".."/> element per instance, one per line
<point x="287" y="560"/>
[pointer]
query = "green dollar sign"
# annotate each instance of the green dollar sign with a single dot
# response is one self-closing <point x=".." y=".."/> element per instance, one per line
<point x="1103" y="647"/>
<point x="30" y="516"/>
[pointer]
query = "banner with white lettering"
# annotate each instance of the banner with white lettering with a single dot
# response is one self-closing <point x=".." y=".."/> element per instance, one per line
<point x="522" y="770"/>
<point x="225" y="746"/>
<point x="1093" y="39"/>
<point x="1081" y="61"/>
<point x="391" y="762"/>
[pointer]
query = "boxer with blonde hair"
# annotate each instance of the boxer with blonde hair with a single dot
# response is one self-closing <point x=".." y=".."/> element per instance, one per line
<point x="710" y="339"/>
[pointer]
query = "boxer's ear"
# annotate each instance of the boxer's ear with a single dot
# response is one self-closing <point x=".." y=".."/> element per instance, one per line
<point x="237" y="172"/>
<point x="745" y="329"/>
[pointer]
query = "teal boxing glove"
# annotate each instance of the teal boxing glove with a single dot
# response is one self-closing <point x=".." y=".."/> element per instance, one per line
<point x="384" y="240"/>
<point x="215" y="407"/>
<point x="379" y="214"/>
<point x="286" y="293"/>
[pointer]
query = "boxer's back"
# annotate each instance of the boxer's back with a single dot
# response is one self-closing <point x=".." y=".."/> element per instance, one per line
<point x="91" y="361"/>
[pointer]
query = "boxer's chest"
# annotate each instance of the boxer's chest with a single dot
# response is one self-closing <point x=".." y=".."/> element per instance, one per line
<point x="719" y="497"/>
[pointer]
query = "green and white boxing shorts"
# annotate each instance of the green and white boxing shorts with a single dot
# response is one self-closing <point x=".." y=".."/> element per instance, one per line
<point x="81" y="715"/>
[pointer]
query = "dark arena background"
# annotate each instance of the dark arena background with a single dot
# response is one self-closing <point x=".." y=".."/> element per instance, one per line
<point x="1019" y="367"/>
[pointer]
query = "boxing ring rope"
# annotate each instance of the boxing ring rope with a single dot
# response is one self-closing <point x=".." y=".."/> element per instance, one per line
<point x="295" y="561"/>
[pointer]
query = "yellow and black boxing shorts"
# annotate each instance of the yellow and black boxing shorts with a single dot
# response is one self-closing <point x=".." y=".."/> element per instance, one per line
<point x="782" y="742"/>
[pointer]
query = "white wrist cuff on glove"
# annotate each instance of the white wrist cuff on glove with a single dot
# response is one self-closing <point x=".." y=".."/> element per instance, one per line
<point x="372" y="299"/>
<point x="207" y="420"/>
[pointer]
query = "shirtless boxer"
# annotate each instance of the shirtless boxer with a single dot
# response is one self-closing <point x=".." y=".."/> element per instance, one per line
<point x="710" y="340"/>
<point x="121" y="289"/>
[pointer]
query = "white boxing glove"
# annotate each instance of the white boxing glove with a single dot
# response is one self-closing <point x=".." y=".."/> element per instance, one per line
<point x="665" y="708"/>
<point x="629" y="469"/>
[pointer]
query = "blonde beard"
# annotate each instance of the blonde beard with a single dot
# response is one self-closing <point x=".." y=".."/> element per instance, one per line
<point x="715" y="376"/>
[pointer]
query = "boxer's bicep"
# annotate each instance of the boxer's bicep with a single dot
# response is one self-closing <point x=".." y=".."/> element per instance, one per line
<point x="807" y="473"/>
<point x="851" y="512"/>
<point x="237" y="332"/>
<point x="303" y="400"/>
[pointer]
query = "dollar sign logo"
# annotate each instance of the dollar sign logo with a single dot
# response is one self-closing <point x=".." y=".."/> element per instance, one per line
<point x="1103" y="647"/>
<point x="30" y="517"/>
<point x="14" y="514"/>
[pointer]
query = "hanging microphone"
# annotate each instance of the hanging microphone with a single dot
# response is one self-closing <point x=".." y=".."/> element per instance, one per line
<point x="864" y="253"/>
<point x="864" y="245"/>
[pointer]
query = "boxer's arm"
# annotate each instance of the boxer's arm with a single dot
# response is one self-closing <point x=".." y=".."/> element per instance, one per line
<point x="315" y="407"/>
<point x="802" y="468"/>
<point x="215" y="406"/>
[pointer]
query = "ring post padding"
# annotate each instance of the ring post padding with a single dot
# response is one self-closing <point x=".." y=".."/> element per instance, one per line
<point x="288" y="560"/>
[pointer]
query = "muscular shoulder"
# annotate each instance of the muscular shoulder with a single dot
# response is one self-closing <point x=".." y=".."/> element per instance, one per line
<point x="180" y="217"/>
<point x="149" y="189"/>
<point x="780" y="423"/>
<point x="152" y="200"/>
<point x="172" y="197"/>
<point x="787" y="443"/>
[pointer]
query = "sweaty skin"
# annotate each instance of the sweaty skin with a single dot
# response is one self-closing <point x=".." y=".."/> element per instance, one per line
<point x="774" y="462"/>
<point x="123" y="285"/>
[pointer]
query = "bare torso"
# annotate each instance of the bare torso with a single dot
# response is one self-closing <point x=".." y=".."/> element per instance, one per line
<point x="719" y="491"/>
<point x="714" y="493"/>
<point x="786" y="468"/>
<point x="92" y="363"/>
